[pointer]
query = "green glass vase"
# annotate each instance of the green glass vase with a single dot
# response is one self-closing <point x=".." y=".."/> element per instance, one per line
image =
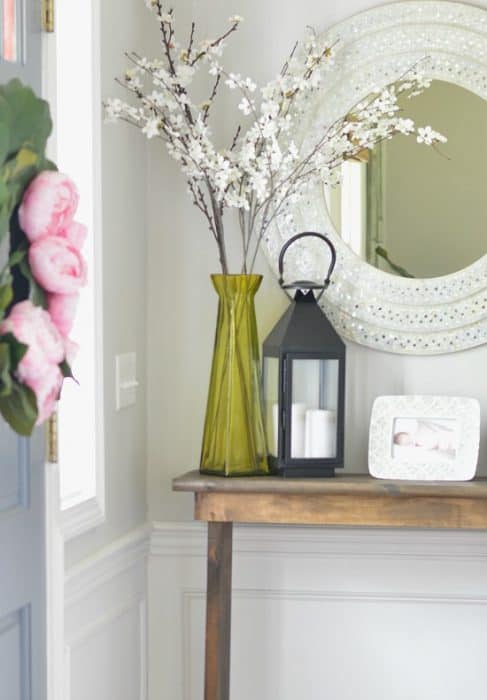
<point x="234" y="439"/>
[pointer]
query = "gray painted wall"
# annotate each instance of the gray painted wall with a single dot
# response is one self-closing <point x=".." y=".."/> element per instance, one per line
<point x="158" y="298"/>
<point x="182" y="305"/>
<point x="125" y="292"/>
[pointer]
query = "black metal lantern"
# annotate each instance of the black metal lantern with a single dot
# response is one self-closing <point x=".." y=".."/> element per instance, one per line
<point x="304" y="382"/>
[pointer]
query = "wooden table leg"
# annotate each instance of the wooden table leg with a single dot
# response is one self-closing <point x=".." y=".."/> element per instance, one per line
<point x="218" y="611"/>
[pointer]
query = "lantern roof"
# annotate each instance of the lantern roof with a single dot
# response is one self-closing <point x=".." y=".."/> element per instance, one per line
<point x="304" y="328"/>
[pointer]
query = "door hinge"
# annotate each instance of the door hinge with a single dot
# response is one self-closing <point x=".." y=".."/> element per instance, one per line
<point x="48" y="15"/>
<point x="52" y="439"/>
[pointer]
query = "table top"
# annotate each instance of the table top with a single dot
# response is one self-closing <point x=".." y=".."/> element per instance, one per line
<point x="344" y="483"/>
<point x="346" y="500"/>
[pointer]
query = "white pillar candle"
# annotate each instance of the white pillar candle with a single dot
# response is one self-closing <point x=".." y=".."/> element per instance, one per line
<point x="298" y="418"/>
<point x="275" y="428"/>
<point x="321" y="429"/>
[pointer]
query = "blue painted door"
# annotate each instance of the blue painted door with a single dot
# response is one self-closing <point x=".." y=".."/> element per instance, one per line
<point x="22" y="546"/>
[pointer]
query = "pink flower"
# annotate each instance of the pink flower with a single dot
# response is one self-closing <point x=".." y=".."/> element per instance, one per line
<point x="75" y="233"/>
<point x="48" y="205"/>
<point x="32" y="326"/>
<point x="38" y="369"/>
<point x="57" y="265"/>
<point x="62" y="309"/>
<point x="47" y="389"/>
<point x="71" y="350"/>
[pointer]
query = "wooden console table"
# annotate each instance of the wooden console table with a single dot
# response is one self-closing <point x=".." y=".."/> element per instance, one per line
<point x="356" y="500"/>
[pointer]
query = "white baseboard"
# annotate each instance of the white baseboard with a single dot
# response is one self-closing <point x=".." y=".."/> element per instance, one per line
<point x="106" y="622"/>
<point x="405" y="610"/>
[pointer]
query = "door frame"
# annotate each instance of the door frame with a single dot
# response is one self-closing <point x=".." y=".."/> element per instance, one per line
<point x="61" y="526"/>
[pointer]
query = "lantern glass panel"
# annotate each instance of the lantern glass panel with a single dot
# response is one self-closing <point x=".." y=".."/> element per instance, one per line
<point x="271" y="403"/>
<point x="314" y="408"/>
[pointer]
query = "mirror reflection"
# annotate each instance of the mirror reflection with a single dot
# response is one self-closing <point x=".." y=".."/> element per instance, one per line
<point x="419" y="211"/>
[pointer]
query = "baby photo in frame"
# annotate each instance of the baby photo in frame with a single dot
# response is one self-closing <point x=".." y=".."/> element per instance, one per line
<point x="424" y="438"/>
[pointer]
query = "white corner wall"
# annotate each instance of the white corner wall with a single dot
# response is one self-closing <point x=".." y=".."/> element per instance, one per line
<point x="105" y="612"/>
<point x="124" y="234"/>
<point x="317" y="613"/>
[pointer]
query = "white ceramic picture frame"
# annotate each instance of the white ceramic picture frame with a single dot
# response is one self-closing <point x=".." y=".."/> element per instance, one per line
<point x="424" y="438"/>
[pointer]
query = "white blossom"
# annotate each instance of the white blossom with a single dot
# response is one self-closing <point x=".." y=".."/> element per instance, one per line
<point x="258" y="182"/>
<point x="249" y="85"/>
<point x="246" y="106"/>
<point x="113" y="110"/>
<point x="293" y="150"/>
<point x="232" y="81"/>
<point x="216" y="49"/>
<point x="428" y="136"/>
<point x="151" y="127"/>
<point x="264" y="173"/>
<point x="157" y="98"/>
<point x="185" y="74"/>
<point x="166" y="17"/>
<point x="215" y="68"/>
<point x="405" y="126"/>
<point x="268" y="91"/>
<point x="270" y="109"/>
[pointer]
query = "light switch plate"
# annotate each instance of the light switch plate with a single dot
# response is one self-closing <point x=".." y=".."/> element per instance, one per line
<point x="125" y="380"/>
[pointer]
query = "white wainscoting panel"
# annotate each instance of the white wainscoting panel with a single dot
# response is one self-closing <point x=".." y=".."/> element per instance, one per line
<point x="106" y="623"/>
<point x="325" y="613"/>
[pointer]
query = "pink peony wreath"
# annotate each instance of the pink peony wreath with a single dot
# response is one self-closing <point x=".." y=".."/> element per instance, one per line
<point x="36" y="332"/>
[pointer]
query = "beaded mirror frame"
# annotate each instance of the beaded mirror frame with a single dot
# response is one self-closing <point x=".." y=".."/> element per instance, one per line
<point x="368" y="306"/>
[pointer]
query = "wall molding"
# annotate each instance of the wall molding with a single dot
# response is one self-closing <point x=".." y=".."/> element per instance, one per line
<point x="170" y="557"/>
<point x="314" y="574"/>
<point x="109" y="618"/>
<point x="91" y="573"/>
<point x="314" y="596"/>
<point x="189" y="539"/>
<point x="82" y="517"/>
<point x="319" y="596"/>
<point x="103" y="594"/>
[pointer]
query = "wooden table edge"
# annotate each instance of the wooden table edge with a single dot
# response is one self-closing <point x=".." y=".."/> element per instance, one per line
<point x="352" y="500"/>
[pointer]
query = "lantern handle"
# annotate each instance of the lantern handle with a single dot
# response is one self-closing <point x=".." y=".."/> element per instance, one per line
<point x="303" y="284"/>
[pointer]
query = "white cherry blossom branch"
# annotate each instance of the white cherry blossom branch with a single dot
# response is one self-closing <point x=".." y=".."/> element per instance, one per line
<point x="262" y="170"/>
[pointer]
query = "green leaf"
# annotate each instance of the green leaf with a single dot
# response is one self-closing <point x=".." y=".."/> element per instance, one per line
<point x="48" y="165"/>
<point x="4" y="141"/>
<point x="4" y="190"/>
<point x="66" y="371"/>
<point x="19" y="409"/>
<point x="25" y="125"/>
<point x="17" y="349"/>
<point x="36" y="293"/>
<point x="6" y="296"/>
<point x="25" y="161"/>
<point x="5" y="377"/>
<point x="17" y="256"/>
<point x="26" y="116"/>
<point x="4" y="221"/>
<point x="17" y="172"/>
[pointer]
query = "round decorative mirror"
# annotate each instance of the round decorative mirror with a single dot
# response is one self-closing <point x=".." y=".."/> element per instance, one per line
<point x="420" y="212"/>
<point x="409" y="222"/>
